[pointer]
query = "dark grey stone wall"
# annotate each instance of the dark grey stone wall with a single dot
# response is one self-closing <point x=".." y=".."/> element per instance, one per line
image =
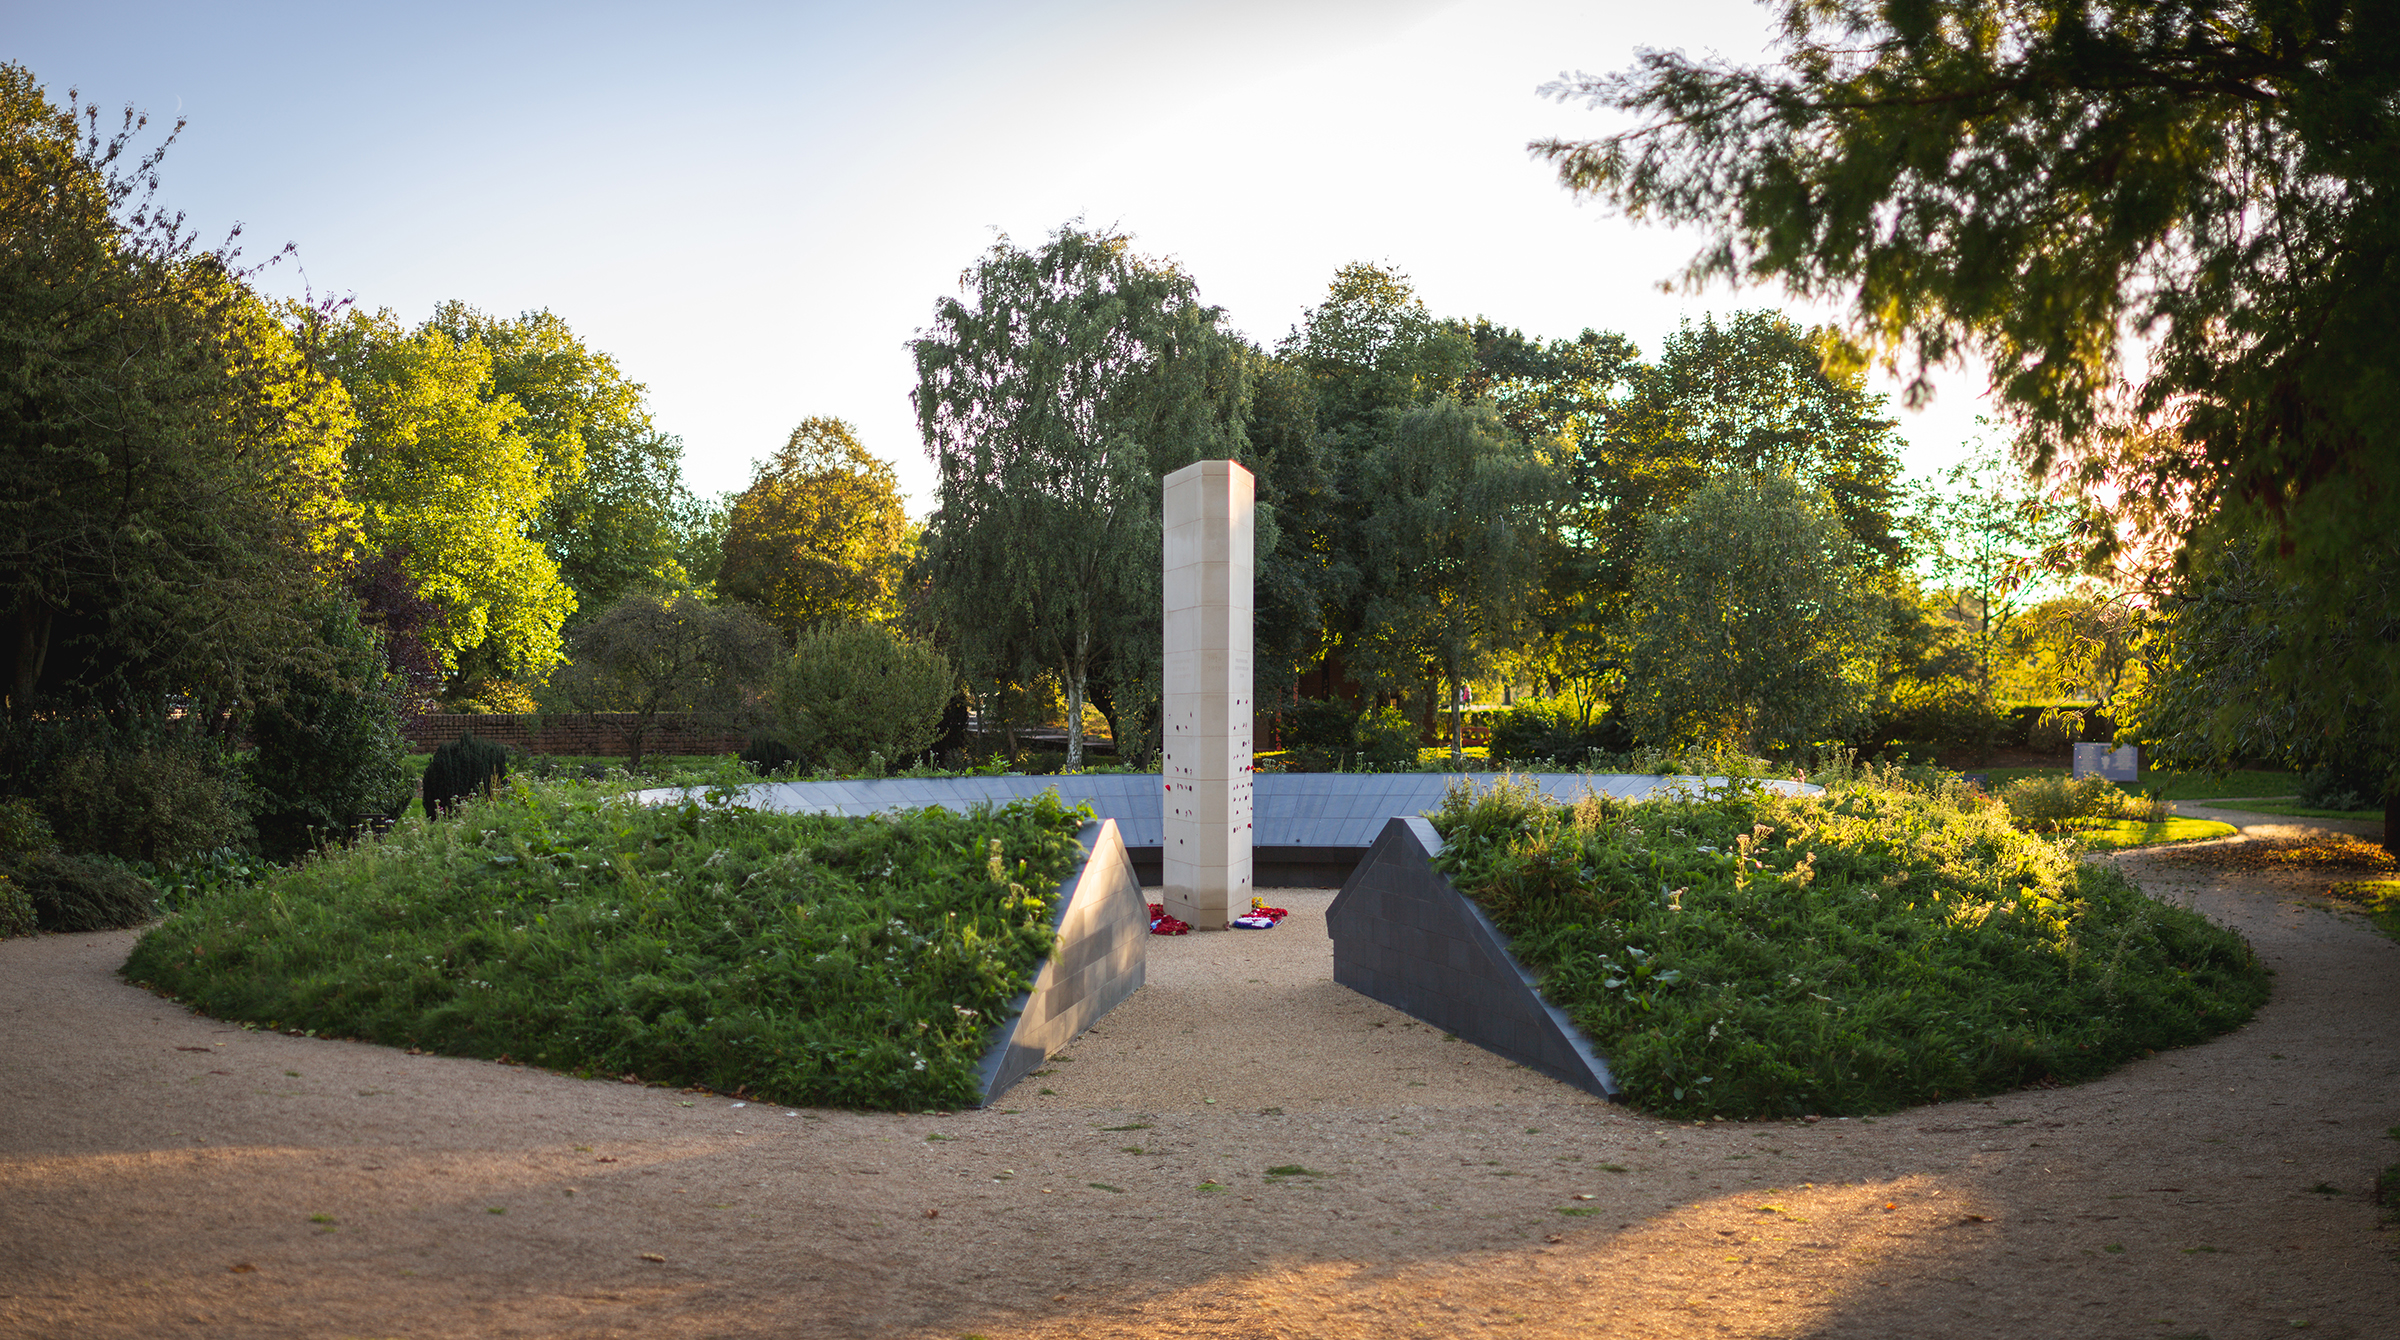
<point x="1404" y="936"/>
<point x="1103" y="927"/>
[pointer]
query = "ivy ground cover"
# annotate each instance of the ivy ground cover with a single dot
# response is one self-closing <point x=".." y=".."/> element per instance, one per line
<point x="861" y="962"/>
<point x="1758" y="955"/>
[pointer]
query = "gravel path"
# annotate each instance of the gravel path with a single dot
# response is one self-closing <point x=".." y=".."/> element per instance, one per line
<point x="162" y="1173"/>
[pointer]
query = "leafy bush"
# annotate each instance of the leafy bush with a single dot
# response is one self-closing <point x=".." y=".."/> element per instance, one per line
<point x="1753" y="954"/>
<point x="77" y="893"/>
<point x="649" y="653"/>
<point x="1550" y="731"/>
<point x="1387" y="740"/>
<point x="2053" y="803"/>
<point x="1040" y="763"/>
<point x="766" y="755"/>
<point x="805" y="958"/>
<point x="156" y="799"/>
<point x="24" y="833"/>
<point x="463" y="768"/>
<point x="2330" y="788"/>
<point x="857" y="689"/>
<point x="327" y="747"/>
<point x="1319" y="723"/>
<point x="497" y="697"/>
<point x="17" y="916"/>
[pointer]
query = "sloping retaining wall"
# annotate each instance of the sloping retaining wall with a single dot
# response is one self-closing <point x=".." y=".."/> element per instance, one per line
<point x="1103" y="929"/>
<point x="1404" y="936"/>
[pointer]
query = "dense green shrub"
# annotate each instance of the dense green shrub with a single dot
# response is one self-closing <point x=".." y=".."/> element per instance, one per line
<point x="852" y="690"/>
<point x="463" y="768"/>
<point x="76" y="893"/>
<point x="2330" y="788"/>
<point x="1387" y="740"/>
<point x="2053" y="803"/>
<point x="1555" y="732"/>
<point x="24" y="833"/>
<point x="1319" y="723"/>
<point x="159" y="799"/>
<point x="327" y="746"/>
<point x="1757" y="955"/>
<point x="17" y="916"/>
<point x="804" y="958"/>
<point x="766" y="755"/>
<point x="1040" y="763"/>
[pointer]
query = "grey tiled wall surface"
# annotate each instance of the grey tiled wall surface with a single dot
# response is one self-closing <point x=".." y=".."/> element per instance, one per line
<point x="1404" y="936"/>
<point x="1320" y="809"/>
<point x="1103" y="941"/>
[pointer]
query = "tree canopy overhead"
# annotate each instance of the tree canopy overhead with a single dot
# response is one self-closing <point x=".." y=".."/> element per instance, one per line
<point x="2183" y="212"/>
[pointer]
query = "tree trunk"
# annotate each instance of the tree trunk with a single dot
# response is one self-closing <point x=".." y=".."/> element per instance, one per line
<point x="34" y="619"/>
<point x="1074" y="678"/>
<point x="2391" y="822"/>
<point x="1458" y="717"/>
<point x="1105" y="698"/>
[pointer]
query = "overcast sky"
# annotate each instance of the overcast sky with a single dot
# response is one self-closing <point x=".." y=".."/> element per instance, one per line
<point x="755" y="207"/>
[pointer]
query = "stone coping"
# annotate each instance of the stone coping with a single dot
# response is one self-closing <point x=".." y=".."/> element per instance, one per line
<point x="1308" y="810"/>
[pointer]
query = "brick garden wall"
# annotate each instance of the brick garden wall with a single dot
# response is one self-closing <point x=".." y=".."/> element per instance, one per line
<point x="600" y="733"/>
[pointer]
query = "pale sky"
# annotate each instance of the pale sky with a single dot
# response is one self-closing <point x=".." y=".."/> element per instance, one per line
<point x="755" y="207"/>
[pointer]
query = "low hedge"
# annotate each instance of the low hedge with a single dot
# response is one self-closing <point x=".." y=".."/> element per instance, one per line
<point x="1757" y="955"/>
<point x="817" y="959"/>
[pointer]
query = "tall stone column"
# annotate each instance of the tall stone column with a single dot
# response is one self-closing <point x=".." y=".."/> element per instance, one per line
<point x="1210" y="514"/>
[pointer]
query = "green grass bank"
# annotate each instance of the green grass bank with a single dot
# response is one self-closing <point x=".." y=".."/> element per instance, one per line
<point x="1881" y="945"/>
<point x="800" y="958"/>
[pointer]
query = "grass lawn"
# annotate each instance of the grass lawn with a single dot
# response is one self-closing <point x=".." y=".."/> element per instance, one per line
<point x="2299" y="812"/>
<point x="2135" y="833"/>
<point x="2179" y="786"/>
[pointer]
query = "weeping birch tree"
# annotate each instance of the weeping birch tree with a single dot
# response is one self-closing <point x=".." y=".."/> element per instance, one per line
<point x="1053" y="394"/>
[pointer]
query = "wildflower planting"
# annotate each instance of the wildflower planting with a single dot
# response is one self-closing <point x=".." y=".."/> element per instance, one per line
<point x="1749" y="954"/>
<point x="859" y="962"/>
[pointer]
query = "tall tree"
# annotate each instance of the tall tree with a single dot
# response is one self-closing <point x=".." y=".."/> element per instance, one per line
<point x="1333" y="396"/>
<point x="1989" y="539"/>
<point x="170" y="484"/>
<point x="1053" y="395"/>
<point x="2170" y="229"/>
<point x="1747" y="630"/>
<point x="651" y="653"/>
<point x="819" y="536"/>
<point x="2235" y="673"/>
<point x="450" y="484"/>
<point x="615" y="481"/>
<point x="1460" y="514"/>
<point x="1758" y="394"/>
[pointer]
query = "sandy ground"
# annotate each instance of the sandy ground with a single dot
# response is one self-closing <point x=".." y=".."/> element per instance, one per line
<point x="165" y="1174"/>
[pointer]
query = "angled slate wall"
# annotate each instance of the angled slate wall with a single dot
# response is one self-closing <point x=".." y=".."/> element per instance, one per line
<point x="1404" y="936"/>
<point x="1103" y="927"/>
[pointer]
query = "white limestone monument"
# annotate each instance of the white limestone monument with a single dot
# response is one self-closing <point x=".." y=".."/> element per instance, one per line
<point x="1211" y="509"/>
